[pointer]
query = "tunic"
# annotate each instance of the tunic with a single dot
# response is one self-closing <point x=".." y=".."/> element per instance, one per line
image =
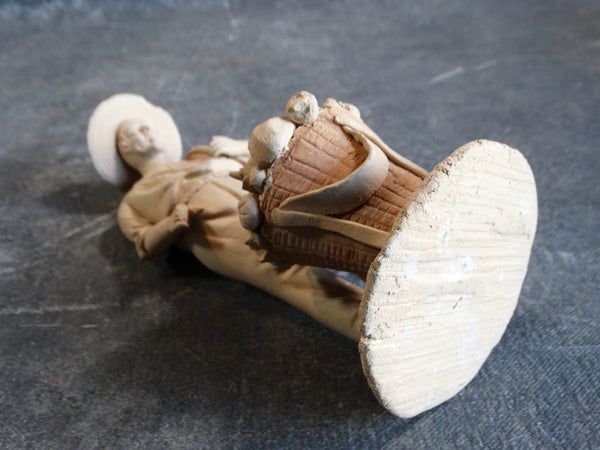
<point x="216" y="237"/>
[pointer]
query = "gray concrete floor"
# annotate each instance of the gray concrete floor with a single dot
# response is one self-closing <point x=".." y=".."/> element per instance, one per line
<point x="99" y="349"/>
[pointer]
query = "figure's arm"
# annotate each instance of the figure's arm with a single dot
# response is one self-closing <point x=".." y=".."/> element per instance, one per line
<point x="152" y="240"/>
<point x="198" y="152"/>
<point x="221" y="146"/>
<point x="233" y="148"/>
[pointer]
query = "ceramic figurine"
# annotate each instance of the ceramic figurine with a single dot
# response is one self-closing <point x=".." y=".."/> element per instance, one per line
<point x="444" y="254"/>
<point x="193" y="203"/>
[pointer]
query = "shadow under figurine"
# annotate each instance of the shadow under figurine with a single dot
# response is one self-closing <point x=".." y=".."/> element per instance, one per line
<point x="444" y="254"/>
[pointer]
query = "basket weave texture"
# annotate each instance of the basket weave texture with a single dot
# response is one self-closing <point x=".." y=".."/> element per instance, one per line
<point x="322" y="153"/>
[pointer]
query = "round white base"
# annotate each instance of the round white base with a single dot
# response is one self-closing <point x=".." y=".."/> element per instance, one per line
<point x="444" y="287"/>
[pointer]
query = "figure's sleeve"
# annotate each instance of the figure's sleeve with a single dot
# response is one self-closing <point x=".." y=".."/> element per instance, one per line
<point x="232" y="148"/>
<point x="134" y="226"/>
<point x="198" y="152"/>
<point x="221" y="146"/>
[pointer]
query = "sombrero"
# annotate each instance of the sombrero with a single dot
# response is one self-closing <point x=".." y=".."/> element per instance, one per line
<point x="102" y="132"/>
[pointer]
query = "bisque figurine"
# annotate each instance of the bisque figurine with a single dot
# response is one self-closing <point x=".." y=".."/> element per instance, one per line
<point x="443" y="253"/>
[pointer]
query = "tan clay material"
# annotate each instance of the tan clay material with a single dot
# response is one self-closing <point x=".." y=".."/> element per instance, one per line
<point x="102" y="131"/>
<point x="269" y="140"/>
<point x="444" y="253"/>
<point x="348" y="186"/>
<point x="442" y="291"/>
<point x="455" y="246"/>
<point x="194" y="204"/>
<point x="302" y="108"/>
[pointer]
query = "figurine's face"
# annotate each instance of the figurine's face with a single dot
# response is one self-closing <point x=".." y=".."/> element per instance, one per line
<point x="136" y="143"/>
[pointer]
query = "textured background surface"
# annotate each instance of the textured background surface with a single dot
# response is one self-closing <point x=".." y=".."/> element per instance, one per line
<point x="100" y="349"/>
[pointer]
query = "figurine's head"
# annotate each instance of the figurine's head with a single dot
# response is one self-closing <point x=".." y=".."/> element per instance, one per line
<point x="117" y="143"/>
<point x="137" y="144"/>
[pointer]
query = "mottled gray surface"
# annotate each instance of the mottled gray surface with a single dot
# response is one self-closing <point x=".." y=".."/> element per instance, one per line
<point x="99" y="349"/>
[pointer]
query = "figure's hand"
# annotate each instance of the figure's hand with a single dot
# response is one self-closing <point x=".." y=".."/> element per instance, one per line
<point x="180" y="217"/>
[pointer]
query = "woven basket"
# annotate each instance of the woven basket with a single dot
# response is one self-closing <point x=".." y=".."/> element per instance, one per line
<point x="320" y="154"/>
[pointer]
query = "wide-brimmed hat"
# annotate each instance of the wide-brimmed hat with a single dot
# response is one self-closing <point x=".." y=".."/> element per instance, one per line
<point x="102" y="134"/>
